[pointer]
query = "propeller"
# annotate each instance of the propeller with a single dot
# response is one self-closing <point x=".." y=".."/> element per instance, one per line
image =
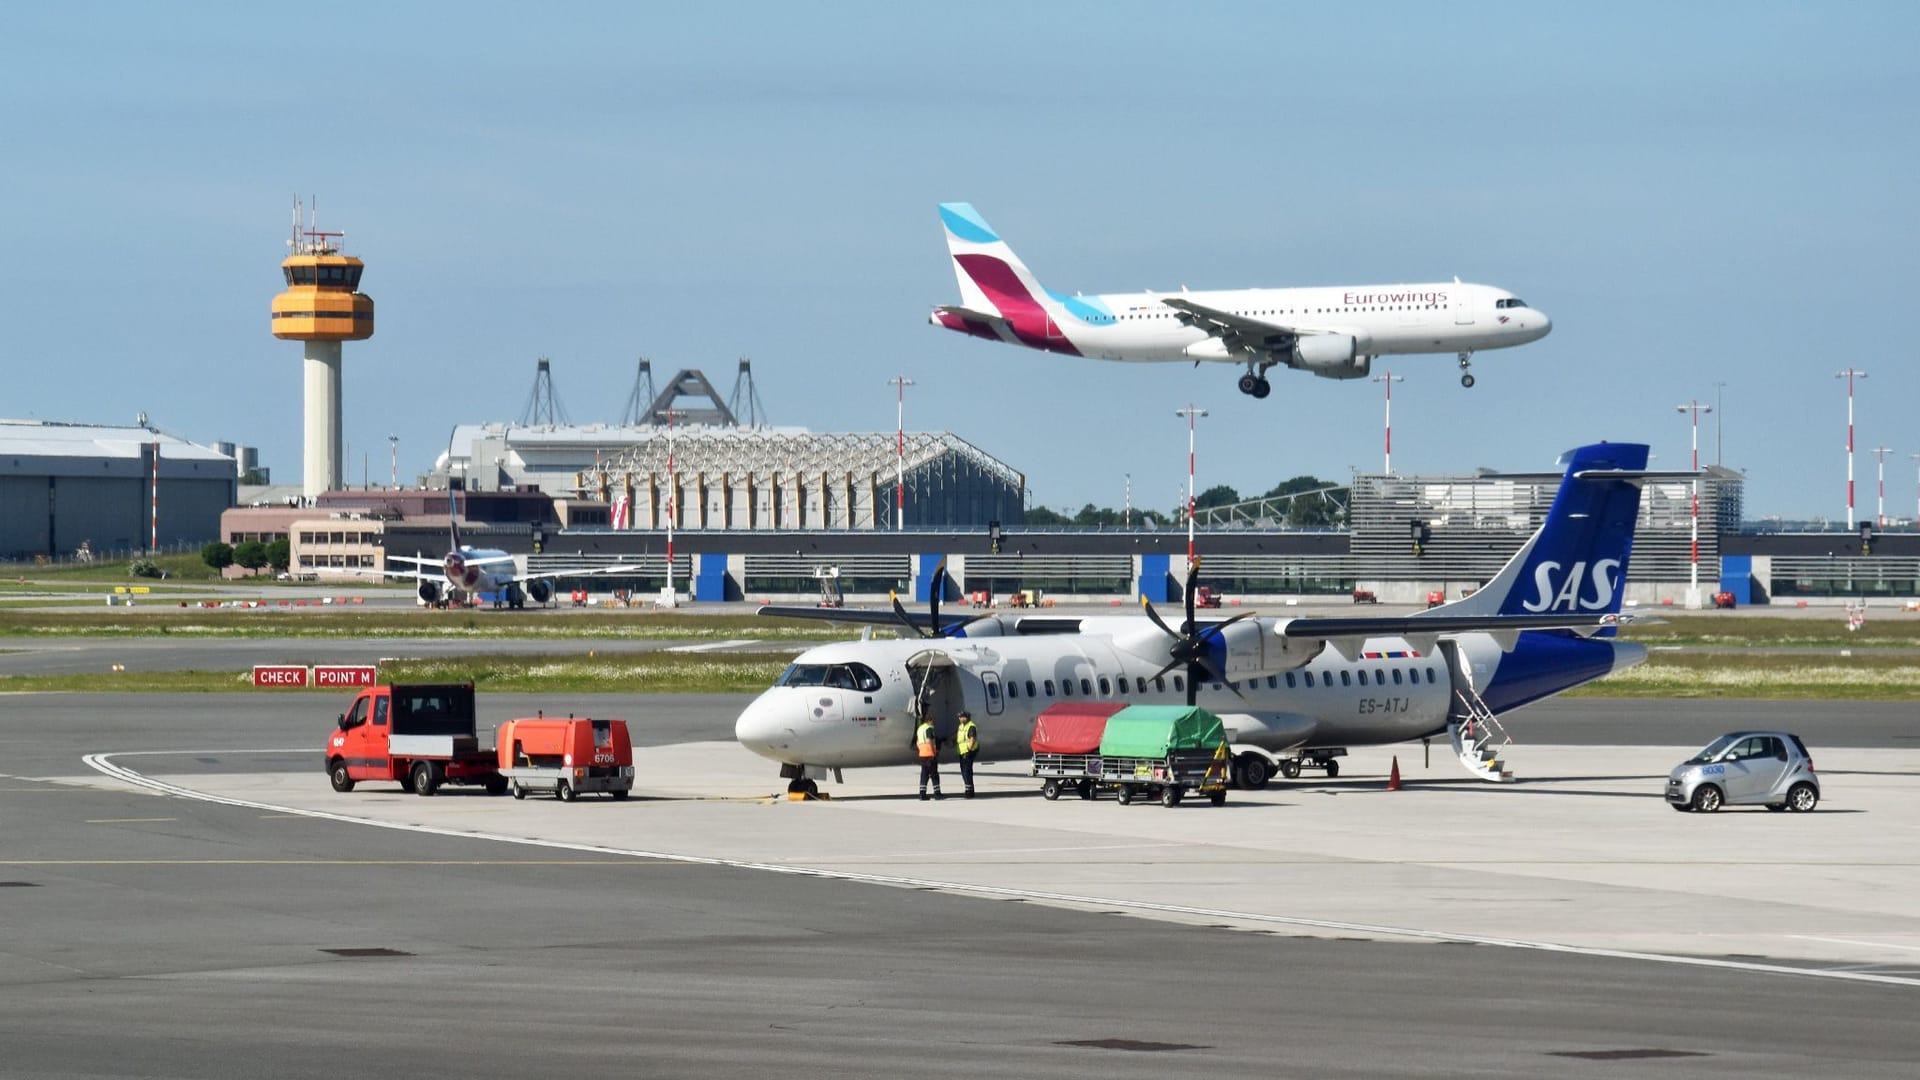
<point x="1190" y="648"/>
<point x="933" y="629"/>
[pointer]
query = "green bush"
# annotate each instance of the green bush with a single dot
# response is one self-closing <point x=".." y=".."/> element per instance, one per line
<point x="252" y="554"/>
<point x="144" y="568"/>
<point x="217" y="555"/>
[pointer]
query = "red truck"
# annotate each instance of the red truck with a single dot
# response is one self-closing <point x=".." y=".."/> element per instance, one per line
<point x="421" y="736"/>
<point x="566" y="757"/>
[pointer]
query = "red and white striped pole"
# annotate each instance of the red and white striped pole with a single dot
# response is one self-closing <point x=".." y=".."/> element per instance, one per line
<point x="154" y="519"/>
<point x="1693" y="569"/>
<point x="672" y="509"/>
<point x="1389" y="378"/>
<point x="900" y="384"/>
<point x="1190" y="412"/>
<point x="1880" y="479"/>
<point x="1850" y="374"/>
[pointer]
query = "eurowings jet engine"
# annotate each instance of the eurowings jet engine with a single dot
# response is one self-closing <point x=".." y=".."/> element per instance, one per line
<point x="1331" y="356"/>
<point x="429" y="593"/>
<point x="540" y="589"/>
<point x="459" y="574"/>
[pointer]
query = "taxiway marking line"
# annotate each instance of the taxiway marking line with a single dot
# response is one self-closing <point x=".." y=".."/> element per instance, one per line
<point x="712" y="646"/>
<point x="1855" y="941"/>
<point x="103" y="763"/>
<point x="126" y="820"/>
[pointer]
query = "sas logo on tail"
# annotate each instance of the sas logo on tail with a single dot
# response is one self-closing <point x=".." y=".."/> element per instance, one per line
<point x="1566" y="594"/>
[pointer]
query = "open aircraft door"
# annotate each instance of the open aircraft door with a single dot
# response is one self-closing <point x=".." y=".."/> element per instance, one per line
<point x="1459" y="679"/>
<point x="937" y="694"/>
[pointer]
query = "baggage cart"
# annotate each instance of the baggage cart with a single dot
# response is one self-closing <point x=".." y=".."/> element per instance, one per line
<point x="1066" y="746"/>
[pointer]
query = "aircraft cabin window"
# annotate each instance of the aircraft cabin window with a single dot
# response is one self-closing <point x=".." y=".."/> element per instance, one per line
<point x="1309" y="680"/>
<point x="1289" y="680"/>
<point x="1013" y="689"/>
<point x="1396" y="676"/>
<point x="1178" y="684"/>
<point x="1273" y="682"/>
<point x="1429" y="676"/>
<point x="1030" y="692"/>
<point x="1066" y="687"/>
<point x="1105" y="687"/>
<point x="1159" y="685"/>
<point x="1086" y="687"/>
<point x="1346" y="678"/>
<point x="1379" y="677"/>
<point x="1120" y="684"/>
<point x="1363" y="676"/>
<point x="1049" y="685"/>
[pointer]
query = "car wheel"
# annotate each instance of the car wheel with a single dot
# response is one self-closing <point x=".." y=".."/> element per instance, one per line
<point x="1170" y="796"/>
<point x="1290" y="769"/>
<point x="564" y="792"/>
<point x="1124" y="795"/>
<point x="1050" y="790"/>
<point x="1217" y="798"/>
<point x="1333" y="768"/>
<point x="423" y="783"/>
<point x="1802" y="797"/>
<point x="518" y="791"/>
<point x="1707" y="798"/>
<point x="338" y="775"/>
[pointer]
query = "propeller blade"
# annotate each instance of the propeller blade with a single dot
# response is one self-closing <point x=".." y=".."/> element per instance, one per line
<point x="1163" y="671"/>
<point x="900" y="612"/>
<point x="1193" y="575"/>
<point x="937" y="586"/>
<point x="1157" y="620"/>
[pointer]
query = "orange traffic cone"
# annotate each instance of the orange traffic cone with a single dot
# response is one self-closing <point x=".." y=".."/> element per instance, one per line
<point x="1393" y="778"/>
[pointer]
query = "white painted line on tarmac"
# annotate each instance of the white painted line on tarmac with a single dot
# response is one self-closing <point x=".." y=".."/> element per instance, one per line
<point x="103" y="763"/>
<point x="713" y="646"/>
<point x="1855" y="941"/>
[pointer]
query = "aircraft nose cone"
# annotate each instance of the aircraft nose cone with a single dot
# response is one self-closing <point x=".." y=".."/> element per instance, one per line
<point x="761" y="729"/>
<point x="1546" y="324"/>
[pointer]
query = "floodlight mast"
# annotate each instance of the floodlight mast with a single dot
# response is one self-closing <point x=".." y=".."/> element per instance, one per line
<point x="1190" y="412"/>
<point x="1693" y="567"/>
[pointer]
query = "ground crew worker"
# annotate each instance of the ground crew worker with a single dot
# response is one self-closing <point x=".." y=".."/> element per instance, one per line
<point x="966" y="741"/>
<point x="927" y="744"/>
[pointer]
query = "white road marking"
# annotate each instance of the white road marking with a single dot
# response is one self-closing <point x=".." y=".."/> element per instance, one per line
<point x="103" y="763"/>
<point x="1855" y="941"/>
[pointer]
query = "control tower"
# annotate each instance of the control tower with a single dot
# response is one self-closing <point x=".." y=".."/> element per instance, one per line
<point x="323" y="306"/>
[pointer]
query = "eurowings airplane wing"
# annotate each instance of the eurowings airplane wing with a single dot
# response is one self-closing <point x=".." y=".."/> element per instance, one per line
<point x="1239" y="333"/>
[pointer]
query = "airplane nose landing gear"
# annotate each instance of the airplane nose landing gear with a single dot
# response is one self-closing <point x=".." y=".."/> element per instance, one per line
<point x="1466" y="361"/>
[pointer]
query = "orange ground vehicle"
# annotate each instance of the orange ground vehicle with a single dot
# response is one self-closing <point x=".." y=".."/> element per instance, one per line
<point x="566" y="757"/>
<point x="419" y="735"/>
<point x="1204" y="596"/>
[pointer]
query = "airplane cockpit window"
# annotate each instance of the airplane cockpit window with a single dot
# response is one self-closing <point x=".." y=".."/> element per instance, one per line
<point x="1510" y="302"/>
<point x="840" y="676"/>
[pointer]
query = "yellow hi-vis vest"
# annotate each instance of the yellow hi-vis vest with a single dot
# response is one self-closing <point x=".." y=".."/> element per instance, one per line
<point x="967" y="739"/>
<point x="923" y="739"/>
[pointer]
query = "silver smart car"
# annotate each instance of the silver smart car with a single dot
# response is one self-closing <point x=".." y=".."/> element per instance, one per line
<point x="1771" y="768"/>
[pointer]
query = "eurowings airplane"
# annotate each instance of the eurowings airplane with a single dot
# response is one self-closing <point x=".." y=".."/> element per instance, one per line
<point x="1290" y="691"/>
<point x="469" y="571"/>
<point x="1331" y="332"/>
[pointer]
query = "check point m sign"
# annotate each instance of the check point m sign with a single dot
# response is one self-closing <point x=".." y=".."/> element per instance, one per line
<point x="321" y="676"/>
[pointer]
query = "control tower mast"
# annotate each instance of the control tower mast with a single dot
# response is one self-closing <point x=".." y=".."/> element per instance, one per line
<point x="323" y="306"/>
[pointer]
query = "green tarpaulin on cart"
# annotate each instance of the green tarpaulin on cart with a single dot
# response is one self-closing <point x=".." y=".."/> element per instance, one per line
<point x="1154" y="731"/>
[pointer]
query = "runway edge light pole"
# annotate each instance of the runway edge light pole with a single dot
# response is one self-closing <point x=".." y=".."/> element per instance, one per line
<point x="1693" y="566"/>
<point x="1190" y="412"/>
<point x="1850" y="375"/>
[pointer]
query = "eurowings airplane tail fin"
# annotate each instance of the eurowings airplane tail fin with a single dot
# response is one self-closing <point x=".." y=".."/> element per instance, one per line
<point x="1577" y="561"/>
<point x="991" y="276"/>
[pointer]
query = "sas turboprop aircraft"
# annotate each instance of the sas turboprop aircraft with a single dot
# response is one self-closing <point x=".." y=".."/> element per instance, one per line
<point x="470" y="571"/>
<point x="1332" y="332"/>
<point x="1291" y="691"/>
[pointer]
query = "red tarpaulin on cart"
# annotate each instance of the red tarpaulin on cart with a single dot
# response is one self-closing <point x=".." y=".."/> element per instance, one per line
<point x="1072" y="727"/>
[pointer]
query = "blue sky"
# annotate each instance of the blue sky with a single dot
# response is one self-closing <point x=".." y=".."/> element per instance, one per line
<point x="1697" y="194"/>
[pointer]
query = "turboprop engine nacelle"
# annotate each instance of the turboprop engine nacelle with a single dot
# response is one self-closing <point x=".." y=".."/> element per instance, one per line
<point x="1331" y="356"/>
<point x="1253" y="648"/>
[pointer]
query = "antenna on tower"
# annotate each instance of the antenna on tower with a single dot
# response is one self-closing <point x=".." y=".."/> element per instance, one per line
<point x="745" y="402"/>
<point x="640" y="396"/>
<point x="543" y="405"/>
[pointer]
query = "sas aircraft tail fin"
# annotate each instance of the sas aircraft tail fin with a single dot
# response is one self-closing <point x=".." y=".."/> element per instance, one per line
<point x="1577" y="561"/>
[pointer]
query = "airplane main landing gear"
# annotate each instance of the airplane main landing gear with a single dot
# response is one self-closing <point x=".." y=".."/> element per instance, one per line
<point x="1466" y="361"/>
<point x="1255" y="386"/>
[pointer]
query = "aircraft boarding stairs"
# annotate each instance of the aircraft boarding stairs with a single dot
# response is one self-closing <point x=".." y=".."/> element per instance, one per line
<point x="1476" y="734"/>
